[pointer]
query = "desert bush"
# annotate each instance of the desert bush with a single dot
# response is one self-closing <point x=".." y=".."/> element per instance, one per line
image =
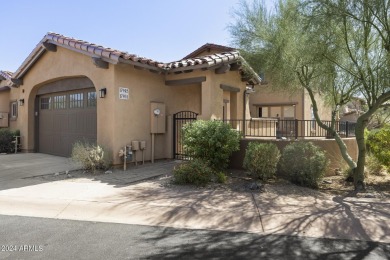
<point x="91" y="156"/>
<point x="378" y="144"/>
<point x="196" y="172"/>
<point x="210" y="141"/>
<point x="373" y="165"/>
<point x="303" y="163"/>
<point x="261" y="159"/>
<point x="220" y="177"/>
<point x="6" y="138"/>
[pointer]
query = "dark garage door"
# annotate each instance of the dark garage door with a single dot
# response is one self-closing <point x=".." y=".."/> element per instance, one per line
<point x="64" y="118"/>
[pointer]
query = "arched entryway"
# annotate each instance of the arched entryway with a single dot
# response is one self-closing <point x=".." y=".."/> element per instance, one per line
<point x="65" y="112"/>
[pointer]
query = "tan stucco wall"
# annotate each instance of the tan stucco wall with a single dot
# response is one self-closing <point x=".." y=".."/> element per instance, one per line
<point x="328" y="145"/>
<point x="4" y="107"/>
<point x="145" y="87"/>
<point x="132" y="116"/>
<point x="352" y="117"/>
<point x="54" y="66"/>
<point x="4" y="101"/>
<point x="265" y="94"/>
<point x="324" y="110"/>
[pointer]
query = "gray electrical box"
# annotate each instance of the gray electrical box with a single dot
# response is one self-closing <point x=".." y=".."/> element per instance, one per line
<point x="142" y="145"/>
<point x="135" y="145"/>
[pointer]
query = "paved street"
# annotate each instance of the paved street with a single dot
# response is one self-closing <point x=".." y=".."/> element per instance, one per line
<point x="66" y="239"/>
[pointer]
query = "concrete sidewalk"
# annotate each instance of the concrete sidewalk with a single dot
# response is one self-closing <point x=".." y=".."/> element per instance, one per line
<point x="120" y="198"/>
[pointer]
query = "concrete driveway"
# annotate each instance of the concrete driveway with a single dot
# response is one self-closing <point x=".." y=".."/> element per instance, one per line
<point x="22" y="165"/>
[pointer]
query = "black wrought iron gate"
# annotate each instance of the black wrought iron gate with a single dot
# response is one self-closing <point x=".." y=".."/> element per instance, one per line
<point x="179" y="120"/>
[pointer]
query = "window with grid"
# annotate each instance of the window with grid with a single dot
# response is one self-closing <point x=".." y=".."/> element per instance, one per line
<point x="45" y="103"/>
<point x="91" y="102"/>
<point x="59" y="102"/>
<point x="76" y="100"/>
<point x="14" y="110"/>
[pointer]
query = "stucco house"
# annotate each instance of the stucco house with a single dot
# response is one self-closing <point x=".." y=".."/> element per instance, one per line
<point x="294" y="111"/>
<point x="69" y="89"/>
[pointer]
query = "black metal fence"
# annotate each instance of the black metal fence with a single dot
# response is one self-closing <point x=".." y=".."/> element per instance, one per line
<point x="289" y="128"/>
<point x="179" y="120"/>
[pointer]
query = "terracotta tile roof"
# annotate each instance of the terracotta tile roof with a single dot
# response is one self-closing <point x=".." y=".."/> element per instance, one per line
<point x="209" y="46"/>
<point x="99" y="50"/>
<point x="208" y="61"/>
<point x="115" y="56"/>
<point x="6" y="74"/>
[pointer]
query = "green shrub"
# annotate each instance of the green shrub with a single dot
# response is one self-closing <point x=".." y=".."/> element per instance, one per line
<point x="378" y="143"/>
<point x="6" y="139"/>
<point x="211" y="141"/>
<point x="261" y="159"/>
<point x="195" y="172"/>
<point x="91" y="156"/>
<point x="373" y="165"/>
<point x="303" y="163"/>
<point x="221" y="177"/>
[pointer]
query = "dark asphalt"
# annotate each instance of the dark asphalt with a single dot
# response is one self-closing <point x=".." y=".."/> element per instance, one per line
<point x="41" y="238"/>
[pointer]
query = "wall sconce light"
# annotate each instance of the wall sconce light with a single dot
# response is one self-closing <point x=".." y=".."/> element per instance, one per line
<point x="102" y="92"/>
<point x="21" y="102"/>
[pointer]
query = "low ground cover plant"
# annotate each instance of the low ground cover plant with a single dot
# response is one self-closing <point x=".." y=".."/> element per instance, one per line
<point x="91" y="156"/>
<point x="195" y="172"/>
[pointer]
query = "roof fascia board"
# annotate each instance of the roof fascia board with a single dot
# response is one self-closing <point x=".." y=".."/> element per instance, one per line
<point x="29" y="61"/>
<point x="112" y="61"/>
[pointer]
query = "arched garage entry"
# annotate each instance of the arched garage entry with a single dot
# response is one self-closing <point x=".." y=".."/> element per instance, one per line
<point x="65" y="113"/>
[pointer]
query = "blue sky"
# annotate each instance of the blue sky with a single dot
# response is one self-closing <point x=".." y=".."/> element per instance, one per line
<point x="161" y="30"/>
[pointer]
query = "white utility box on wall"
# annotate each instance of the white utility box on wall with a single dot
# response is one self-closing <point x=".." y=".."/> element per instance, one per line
<point x="157" y="117"/>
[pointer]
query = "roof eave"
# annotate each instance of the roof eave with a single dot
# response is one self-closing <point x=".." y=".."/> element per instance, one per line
<point x="29" y="61"/>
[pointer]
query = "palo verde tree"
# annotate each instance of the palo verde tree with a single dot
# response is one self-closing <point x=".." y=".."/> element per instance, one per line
<point x="335" y="48"/>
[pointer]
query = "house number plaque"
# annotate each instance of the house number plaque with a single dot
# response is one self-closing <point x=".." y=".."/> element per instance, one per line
<point x="123" y="93"/>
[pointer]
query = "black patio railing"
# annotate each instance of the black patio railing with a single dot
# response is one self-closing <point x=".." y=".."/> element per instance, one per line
<point x="280" y="129"/>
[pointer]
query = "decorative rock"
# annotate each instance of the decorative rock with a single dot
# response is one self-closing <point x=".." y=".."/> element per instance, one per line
<point x="108" y="172"/>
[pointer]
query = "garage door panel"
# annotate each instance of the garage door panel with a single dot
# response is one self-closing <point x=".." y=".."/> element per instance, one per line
<point x="59" y="129"/>
<point x="46" y="143"/>
<point x="60" y="122"/>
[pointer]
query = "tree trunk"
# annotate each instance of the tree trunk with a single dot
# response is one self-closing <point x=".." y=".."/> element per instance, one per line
<point x="358" y="172"/>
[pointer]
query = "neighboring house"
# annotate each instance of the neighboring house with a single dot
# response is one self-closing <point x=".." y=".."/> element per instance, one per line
<point x="5" y="103"/>
<point x="267" y="104"/>
<point x="351" y="111"/>
<point x="68" y="90"/>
